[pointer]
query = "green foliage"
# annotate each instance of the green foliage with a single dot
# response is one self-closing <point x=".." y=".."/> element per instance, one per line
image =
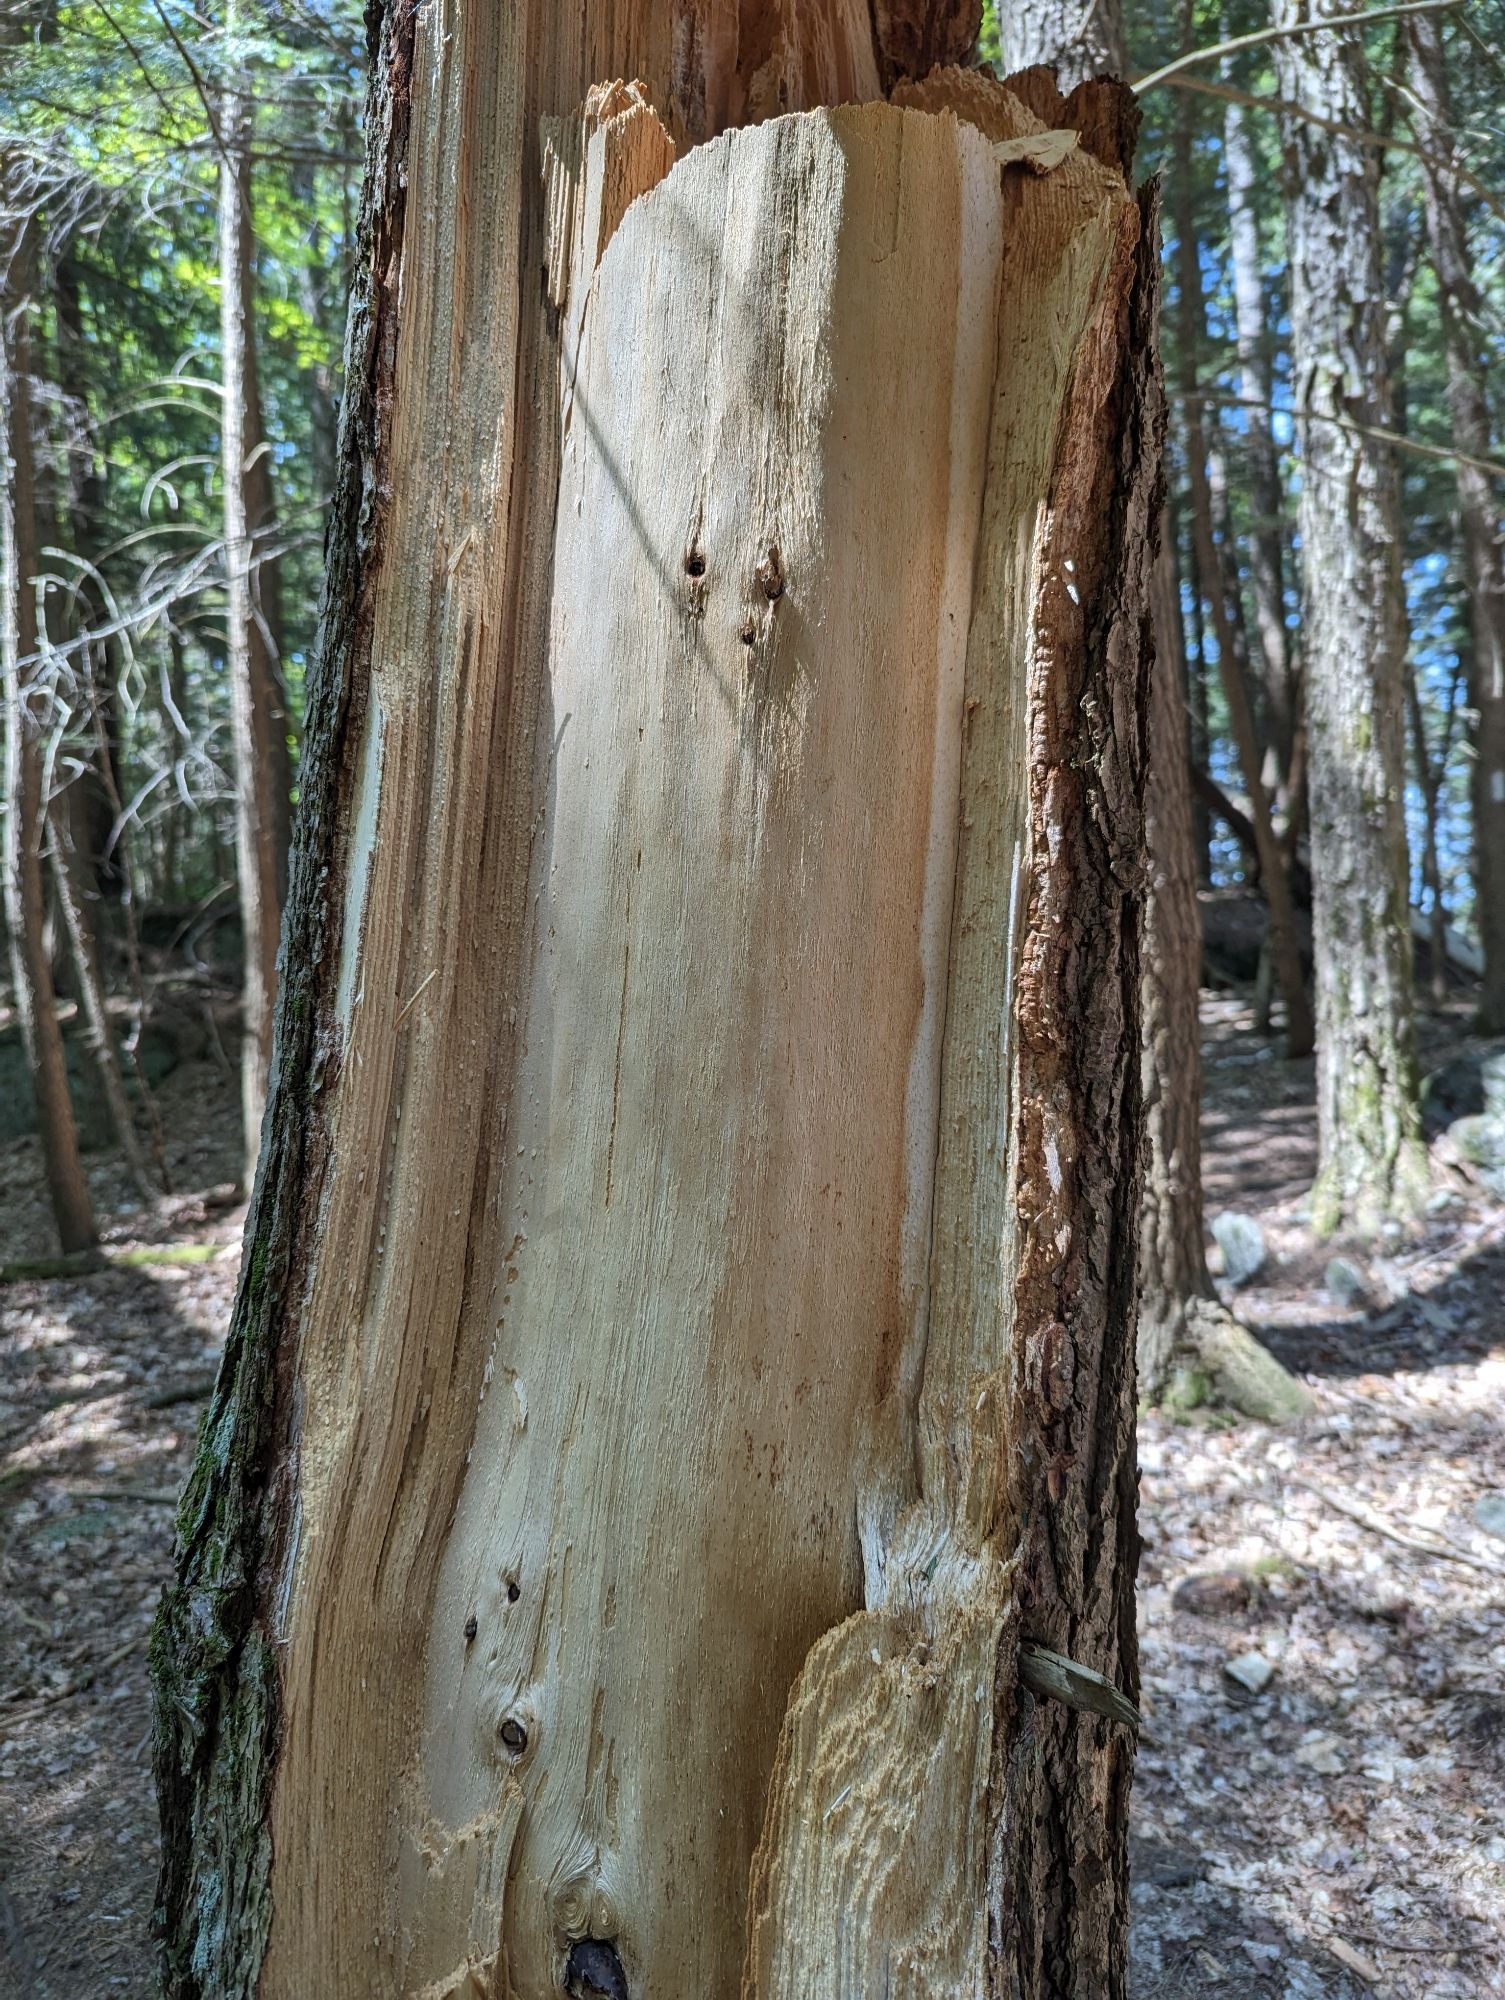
<point x="115" y="114"/>
<point x="113" y="119"/>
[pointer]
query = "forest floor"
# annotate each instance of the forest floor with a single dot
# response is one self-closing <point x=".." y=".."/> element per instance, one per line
<point x="1338" y="1833"/>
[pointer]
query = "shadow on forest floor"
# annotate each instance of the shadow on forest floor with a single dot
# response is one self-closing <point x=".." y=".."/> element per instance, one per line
<point x="101" y="1383"/>
<point x="1342" y="1832"/>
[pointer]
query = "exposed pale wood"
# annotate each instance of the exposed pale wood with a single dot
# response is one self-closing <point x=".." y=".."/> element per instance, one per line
<point x="724" y="1123"/>
<point x="736" y="727"/>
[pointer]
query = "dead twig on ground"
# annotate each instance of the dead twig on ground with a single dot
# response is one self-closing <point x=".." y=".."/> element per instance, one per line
<point x="1376" y="1522"/>
<point x="192" y="1390"/>
<point x="151" y="1494"/>
<point x="79" y="1685"/>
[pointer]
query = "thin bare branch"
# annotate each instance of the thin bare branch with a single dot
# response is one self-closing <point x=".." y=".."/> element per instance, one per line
<point x="1493" y="466"/>
<point x="1285" y="107"/>
<point x="1215" y="50"/>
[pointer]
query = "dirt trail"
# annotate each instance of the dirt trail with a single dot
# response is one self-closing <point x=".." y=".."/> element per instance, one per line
<point x="1339" y="1833"/>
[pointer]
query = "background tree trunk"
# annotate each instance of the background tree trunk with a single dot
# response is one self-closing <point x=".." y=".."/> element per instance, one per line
<point x="98" y="857"/>
<point x="1371" y="1163"/>
<point x="92" y="1003"/>
<point x="1182" y="1325"/>
<point x="1232" y="667"/>
<point x="684" y="1348"/>
<point x="1266" y="549"/>
<point x="1077" y="42"/>
<point x="313" y="282"/>
<point x="258" y="717"/>
<point x="25" y="817"/>
<point x="1484" y="564"/>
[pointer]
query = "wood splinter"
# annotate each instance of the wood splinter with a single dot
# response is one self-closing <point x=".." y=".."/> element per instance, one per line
<point x="1055" y="1678"/>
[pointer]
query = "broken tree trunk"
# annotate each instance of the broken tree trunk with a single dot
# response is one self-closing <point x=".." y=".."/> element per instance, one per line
<point x="677" y="1420"/>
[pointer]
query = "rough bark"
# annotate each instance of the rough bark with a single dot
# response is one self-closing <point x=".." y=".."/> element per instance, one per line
<point x="1076" y="41"/>
<point x="1484" y="562"/>
<point x="1172" y="1256"/>
<point x="1371" y="1164"/>
<point x="684" y="1349"/>
<point x="25" y="701"/>
<point x="1266" y="549"/>
<point x="1232" y="666"/>
<point x="257" y="710"/>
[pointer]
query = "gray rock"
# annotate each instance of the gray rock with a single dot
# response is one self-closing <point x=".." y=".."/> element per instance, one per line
<point x="1242" y="1243"/>
<point x="1489" y="1513"/>
<point x="1492" y="1079"/>
<point x="1480" y="1141"/>
<point x="1472" y="1083"/>
<point x="1345" y="1282"/>
<point x="1251" y="1670"/>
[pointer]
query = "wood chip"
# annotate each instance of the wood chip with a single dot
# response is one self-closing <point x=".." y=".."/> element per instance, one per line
<point x="1348" y="1955"/>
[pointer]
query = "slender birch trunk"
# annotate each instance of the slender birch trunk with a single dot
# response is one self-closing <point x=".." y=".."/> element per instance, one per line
<point x="1371" y="1163"/>
<point x="676" y="1429"/>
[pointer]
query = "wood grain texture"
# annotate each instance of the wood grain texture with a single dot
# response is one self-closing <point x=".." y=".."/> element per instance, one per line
<point x="713" y="1226"/>
<point x="1023" y="1512"/>
<point x="637" y="1330"/>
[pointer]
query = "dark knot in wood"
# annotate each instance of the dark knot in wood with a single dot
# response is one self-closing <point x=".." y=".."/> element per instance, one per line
<point x="594" y="1971"/>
